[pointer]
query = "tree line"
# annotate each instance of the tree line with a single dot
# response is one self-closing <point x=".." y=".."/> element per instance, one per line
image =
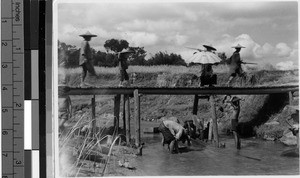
<point x="68" y="55"/>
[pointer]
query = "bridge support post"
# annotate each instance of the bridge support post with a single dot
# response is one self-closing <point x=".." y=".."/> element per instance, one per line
<point x="137" y="113"/>
<point x="123" y="110"/>
<point x="214" y="120"/>
<point x="127" y="117"/>
<point x="117" y="112"/>
<point x="195" y="107"/>
<point x="290" y="98"/>
<point x="93" y="131"/>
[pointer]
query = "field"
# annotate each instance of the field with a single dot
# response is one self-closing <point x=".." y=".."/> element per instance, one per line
<point x="255" y="110"/>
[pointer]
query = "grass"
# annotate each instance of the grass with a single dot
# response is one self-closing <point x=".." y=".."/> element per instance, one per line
<point x="82" y="153"/>
<point x="152" y="69"/>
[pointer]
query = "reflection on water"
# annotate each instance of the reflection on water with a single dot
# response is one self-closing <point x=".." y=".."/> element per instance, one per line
<point x="256" y="157"/>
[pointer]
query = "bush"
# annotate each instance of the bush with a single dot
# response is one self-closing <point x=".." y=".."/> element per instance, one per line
<point x="270" y="131"/>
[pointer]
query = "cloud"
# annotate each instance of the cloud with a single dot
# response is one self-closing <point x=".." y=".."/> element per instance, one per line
<point x="256" y="52"/>
<point x="171" y="26"/>
<point x="283" y="50"/>
<point x="161" y="25"/>
<point x="176" y="39"/>
<point x="286" y="65"/>
<point x="140" y="38"/>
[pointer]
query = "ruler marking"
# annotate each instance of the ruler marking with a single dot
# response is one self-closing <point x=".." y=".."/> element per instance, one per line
<point x="15" y="10"/>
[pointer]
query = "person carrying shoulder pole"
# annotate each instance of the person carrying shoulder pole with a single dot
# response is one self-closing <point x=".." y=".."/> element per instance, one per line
<point x="85" y="58"/>
<point x="235" y="64"/>
<point x="123" y="66"/>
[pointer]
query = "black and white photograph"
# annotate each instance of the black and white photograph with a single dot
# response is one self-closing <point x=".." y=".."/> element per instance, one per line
<point x="175" y="88"/>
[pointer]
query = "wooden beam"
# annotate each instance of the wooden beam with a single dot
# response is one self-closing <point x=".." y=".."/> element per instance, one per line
<point x="127" y="118"/>
<point x="117" y="112"/>
<point x="137" y="118"/>
<point x="181" y="90"/>
<point x="214" y="120"/>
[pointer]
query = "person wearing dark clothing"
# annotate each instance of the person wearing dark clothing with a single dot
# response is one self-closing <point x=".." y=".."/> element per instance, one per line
<point x="207" y="76"/>
<point x="235" y="64"/>
<point x="123" y="66"/>
<point x="85" y="58"/>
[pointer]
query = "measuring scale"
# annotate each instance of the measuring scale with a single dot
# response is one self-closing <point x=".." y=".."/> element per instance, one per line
<point x="12" y="88"/>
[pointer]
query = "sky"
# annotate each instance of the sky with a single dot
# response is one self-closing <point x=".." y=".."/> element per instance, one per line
<point x="268" y="29"/>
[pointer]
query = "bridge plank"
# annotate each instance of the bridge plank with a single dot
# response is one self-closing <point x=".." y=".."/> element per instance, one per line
<point x="181" y="90"/>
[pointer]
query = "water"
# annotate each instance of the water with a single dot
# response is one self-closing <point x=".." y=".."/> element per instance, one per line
<point x="257" y="157"/>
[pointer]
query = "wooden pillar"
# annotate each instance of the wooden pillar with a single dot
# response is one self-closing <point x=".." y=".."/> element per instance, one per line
<point x="127" y="117"/>
<point x="290" y="98"/>
<point x="210" y="133"/>
<point x="117" y="112"/>
<point x="214" y="120"/>
<point x="297" y="135"/>
<point x="137" y="113"/>
<point x="123" y="116"/>
<point x="93" y="131"/>
<point x="195" y="107"/>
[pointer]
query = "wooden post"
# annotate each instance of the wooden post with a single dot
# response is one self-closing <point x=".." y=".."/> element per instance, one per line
<point x="214" y="120"/>
<point x="127" y="117"/>
<point x="290" y="98"/>
<point x="210" y="133"/>
<point x="93" y="131"/>
<point x="123" y="107"/>
<point x="117" y="112"/>
<point x="195" y="107"/>
<point x="137" y="118"/>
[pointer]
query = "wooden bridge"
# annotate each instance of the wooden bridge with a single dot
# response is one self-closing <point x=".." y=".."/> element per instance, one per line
<point x="137" y="92"/>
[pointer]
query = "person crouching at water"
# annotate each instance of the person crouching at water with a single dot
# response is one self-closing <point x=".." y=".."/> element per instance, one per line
<point x="172" y="133"/>
<point x="123" y="66"/>
<point x="234" y="106"/>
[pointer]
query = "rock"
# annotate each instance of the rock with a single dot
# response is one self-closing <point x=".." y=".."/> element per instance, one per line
<point x="266" y="137"/>
<point x="288" y="138"/>
<point x="291" y="152"/>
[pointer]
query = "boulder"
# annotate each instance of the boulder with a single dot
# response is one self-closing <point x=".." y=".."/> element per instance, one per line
<point x="269" y="138"/>
<point x="288" y="138"/>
